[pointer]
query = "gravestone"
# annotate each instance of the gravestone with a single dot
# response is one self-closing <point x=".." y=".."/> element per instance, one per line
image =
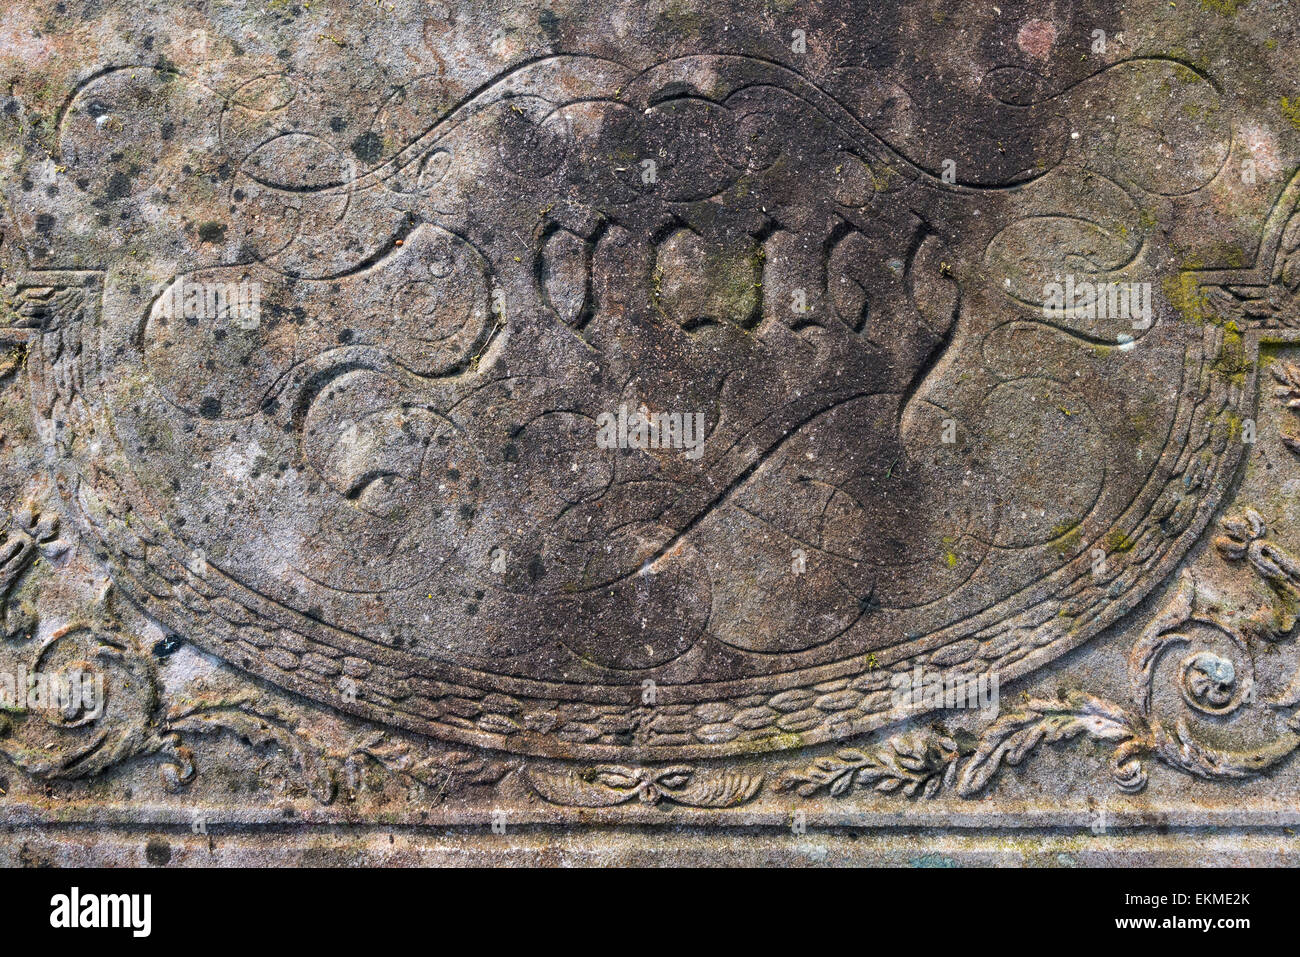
<point x="649" y="432"/>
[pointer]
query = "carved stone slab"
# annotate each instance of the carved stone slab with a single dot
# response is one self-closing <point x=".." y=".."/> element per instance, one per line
<point x="777" y="424"/>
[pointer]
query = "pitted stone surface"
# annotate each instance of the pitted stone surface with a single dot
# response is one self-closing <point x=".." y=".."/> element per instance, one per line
<point x="612" y="406"/>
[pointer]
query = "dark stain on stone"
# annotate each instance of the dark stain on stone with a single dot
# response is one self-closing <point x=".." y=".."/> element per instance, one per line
<point x="368" y="147"/>
<point x="550" y="25"/>
<point x="167" y="646"/>
<point x="158" y="852"/>
<point x="119" y="185"/>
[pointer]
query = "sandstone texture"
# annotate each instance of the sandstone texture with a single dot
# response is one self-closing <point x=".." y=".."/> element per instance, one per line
<point x="608" y="432"/>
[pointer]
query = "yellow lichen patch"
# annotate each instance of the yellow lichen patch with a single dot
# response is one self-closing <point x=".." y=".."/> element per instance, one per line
<point x="1067" y="538"/>
<point x="1232" y="362"/>
<point x="1228" y="8"/>
<point x="1117" y="540"/>
<point x="1291" y="110"/>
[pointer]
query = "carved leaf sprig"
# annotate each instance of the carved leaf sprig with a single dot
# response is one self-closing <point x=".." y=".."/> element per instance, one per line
<point x="28" y="535"/>
<point x="439" y="771"/>
<point x="320" y="768"/>
<point x="261" y="730"/>
<point x="1287" y="376"/>
<point x="911" y="764"/>
<point x="1245" y="537"/>
<point x="1010" y="738"/>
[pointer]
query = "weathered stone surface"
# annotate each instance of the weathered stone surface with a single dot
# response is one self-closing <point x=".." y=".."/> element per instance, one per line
<point x="489" y="417"/>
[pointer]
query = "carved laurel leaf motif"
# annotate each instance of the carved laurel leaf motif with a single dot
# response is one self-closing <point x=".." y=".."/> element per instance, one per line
<point x="1013" y="736"/>
<point x="441" y="771"/>
<point x="29" y="534"/>
<point x="322" y="769"/>
<point x="260" y="730"/>
<point x="727" y="789"/>
<point x="919" y="763"/>
<point x="578" y="789"/>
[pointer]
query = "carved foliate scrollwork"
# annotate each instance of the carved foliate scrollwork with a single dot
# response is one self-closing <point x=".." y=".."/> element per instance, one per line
<point x="1212" y="681"/>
